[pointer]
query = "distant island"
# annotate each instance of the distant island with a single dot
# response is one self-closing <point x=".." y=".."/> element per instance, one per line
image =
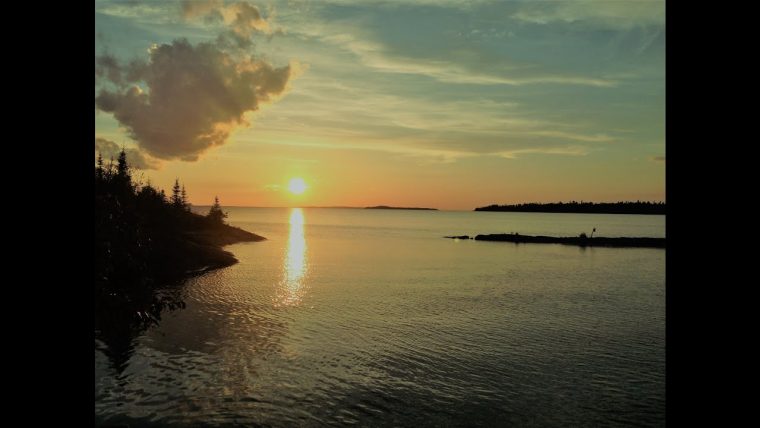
<point x="385" y="207"/>
<point x="637" y="207"/>
<point x="334" y="207"/>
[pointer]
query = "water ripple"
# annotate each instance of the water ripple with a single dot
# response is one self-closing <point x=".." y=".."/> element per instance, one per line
<point x="397" y="329"/>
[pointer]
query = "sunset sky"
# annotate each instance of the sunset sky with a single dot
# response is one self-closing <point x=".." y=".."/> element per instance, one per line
<point x="443" y="103"/>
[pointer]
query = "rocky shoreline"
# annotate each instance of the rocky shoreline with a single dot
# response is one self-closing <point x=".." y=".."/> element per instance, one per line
<point x="203" y="248"/>
<point x="581" y="241"/>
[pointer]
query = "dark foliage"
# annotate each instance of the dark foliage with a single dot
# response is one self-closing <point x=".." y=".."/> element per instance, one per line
<point x="140" y="237"/>
<point x="144" y="244"/>
<point x="215" y="213"/>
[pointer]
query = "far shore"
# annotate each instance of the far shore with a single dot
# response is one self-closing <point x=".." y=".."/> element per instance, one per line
<point x="385" y="207"/>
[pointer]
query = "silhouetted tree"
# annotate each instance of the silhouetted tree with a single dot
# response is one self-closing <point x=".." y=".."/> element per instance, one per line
<point x="122" y="179"/>
<point x="215" y="214"/>
<point x="185" y="204"/>
<point x="99" y="168"/>
<point x="177" y="195"/>
<point x="122" y="168"/>
<point x="109" y="169"/>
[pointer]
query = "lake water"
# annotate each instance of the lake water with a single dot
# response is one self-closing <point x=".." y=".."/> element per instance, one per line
<point x="370" y="317"/>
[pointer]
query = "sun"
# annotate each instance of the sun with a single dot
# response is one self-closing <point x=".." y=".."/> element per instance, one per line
<point x="297" y="186"/>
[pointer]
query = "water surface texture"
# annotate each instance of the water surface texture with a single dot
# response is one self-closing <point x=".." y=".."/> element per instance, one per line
<point x="370" y="317"/>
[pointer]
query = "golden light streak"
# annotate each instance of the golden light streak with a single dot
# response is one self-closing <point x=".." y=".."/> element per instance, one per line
<point x="295" y="263"/>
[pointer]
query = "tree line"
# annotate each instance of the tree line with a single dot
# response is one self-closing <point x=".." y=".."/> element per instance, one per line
<point x="143" y="239"/>
<point x="146" y="245"/>
<point x="136" y="224"/>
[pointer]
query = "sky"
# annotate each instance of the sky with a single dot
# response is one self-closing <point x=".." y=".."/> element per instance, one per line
<point x="434" y="103"/>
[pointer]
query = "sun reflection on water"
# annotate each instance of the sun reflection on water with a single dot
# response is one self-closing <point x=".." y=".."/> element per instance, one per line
<point x="295" y="265"/>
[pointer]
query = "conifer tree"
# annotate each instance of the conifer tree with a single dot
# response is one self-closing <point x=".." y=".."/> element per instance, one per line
<point x="215" y="214"/>
<point x="122" y="179"/>
<point x="122" y="169"/>
<point x="99" y="168"/>
<point x="185" y="204"/>
<point x="176" y="194"/>
<point x="109" y="169"/>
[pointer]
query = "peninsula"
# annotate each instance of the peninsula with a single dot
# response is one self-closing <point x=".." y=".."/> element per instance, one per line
<point x="144" y="239"/>
<point x="146" y="246"/>
<point x="581" y="241"/>
<point x="637" y="207"/>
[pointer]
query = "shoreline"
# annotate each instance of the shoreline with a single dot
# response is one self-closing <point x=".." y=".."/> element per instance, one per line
<point x="581" y="241"/>
<point x="385" y="207"/>
<point x="136" y="302"/>
<point x="204" y="248"/>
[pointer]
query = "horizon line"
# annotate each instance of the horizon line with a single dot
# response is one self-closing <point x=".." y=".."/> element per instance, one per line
<point x="426" y="209"/>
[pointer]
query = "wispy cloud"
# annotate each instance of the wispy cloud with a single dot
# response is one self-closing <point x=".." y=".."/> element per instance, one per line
<point x="564" y="151"/>
<point x="379" y="57"/>
<point x="447" y="130"/>
<point x="605" y="13"/>
<point x="428" y="153"/>
<point x="242" y="18"/>
<point x="146" y="11"/>
<point x="596" y="138"/>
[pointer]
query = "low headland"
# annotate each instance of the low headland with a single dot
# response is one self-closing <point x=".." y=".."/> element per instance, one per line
<point x="581" y="241"/>
<point x="637" y="207"/>
<point x="385" y="207"/>
<point x="202" y="247"/>
<point x="146" y="242"/>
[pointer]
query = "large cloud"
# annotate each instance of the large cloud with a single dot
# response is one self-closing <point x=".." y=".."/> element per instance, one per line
<point x="186" y="98"/>
<point x="136" y="159"/>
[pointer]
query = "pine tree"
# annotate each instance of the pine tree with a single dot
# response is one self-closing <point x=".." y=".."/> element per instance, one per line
<point x="109" y="169"/>
<point x="99" y="168"/>
<point x="185" y="203"/>
<point x="122" y="169"/>
<point x="122" y="179"/>
<point x="215" y="214"/>
<point x="176" y="194"/>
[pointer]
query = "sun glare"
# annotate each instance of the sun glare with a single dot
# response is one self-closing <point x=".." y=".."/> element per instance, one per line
<point x="297" y="186"/>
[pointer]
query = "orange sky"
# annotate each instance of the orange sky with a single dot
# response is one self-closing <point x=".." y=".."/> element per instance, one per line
<point x="434" y="105"/>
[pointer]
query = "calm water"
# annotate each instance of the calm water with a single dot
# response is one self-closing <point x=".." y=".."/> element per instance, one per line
<point x="369" y="317"/>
